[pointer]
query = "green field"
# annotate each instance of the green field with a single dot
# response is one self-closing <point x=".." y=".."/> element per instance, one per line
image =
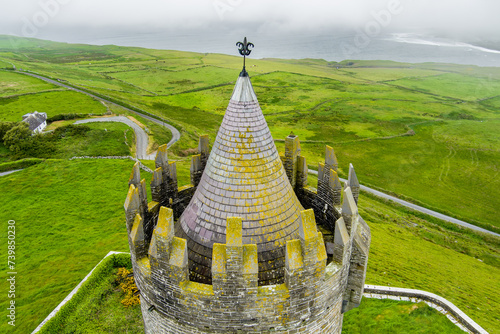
<point x="15" y="84"/>
<point x="53" y="103"/>
<point x="86" y="221"/>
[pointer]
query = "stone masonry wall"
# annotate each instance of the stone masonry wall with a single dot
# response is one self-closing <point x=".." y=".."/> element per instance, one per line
<point x="314" y="295"/>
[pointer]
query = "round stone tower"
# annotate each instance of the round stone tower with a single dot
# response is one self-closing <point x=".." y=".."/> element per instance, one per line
<point x="247" y="246"/>
<point x="243" y="177"/>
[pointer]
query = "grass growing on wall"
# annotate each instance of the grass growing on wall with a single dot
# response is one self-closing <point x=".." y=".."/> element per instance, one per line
<point x="97" y="307"/>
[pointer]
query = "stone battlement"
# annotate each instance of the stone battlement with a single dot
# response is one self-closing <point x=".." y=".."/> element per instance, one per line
<point x="323" y="275"/>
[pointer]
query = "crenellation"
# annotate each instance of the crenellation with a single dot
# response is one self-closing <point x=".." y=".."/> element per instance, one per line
<point x="349" y="209"/>
<point x="358" y="264"/>
<point x="137" y="238"/>
<point x="204" y="149"/>
<point x="209" y="264"/>
<point x="353" y="183"/>
<point x="341" y="241"/>
<point x="292" y="151"/>
<point x="336" y="187"/>
<point x="196" y="169"/>
<point x="302" y="172"/>
<point x="330" y="159"/>
<point x="161" y="159"/>
<point x="132" y="206"/>
<point x="156" y="185"/>
<point x="171" y="185"/>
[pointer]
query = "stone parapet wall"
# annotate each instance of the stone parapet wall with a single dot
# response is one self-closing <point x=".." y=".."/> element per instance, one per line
<point x="376" y="291"/>
<point x="310" y="300"/>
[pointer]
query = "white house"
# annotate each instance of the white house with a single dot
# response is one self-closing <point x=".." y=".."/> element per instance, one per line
<point x="37" y="121"/>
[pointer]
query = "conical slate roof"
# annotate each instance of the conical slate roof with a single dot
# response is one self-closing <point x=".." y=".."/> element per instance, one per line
<point x="244" y="177"/>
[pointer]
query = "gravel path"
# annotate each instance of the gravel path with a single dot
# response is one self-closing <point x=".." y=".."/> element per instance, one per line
<point x="9" y="172"/>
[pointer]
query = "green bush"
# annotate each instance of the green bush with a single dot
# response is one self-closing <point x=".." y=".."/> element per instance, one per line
<point x="70" y="130"/>
<point x="4" y="127"/>
<point x="20" y="141"/>
<point x="18" y="138"/>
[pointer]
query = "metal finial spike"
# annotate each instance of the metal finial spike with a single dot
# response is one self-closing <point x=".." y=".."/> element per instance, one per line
<point x="244" y="49"/>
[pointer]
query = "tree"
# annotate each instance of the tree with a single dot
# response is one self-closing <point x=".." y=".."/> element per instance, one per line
<point x="4" y="127"/>
<point x="18" y="139"/>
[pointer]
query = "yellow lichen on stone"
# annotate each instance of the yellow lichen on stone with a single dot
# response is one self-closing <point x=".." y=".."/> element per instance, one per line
<point x="163" y="148"/>
<point x="144" y="266"/>
<point x="250" y="260"/>
<point x="178" y="252"/>
<point x="153" y="248"/>
<point x="219" y="258"/>
<point x="307" y="227"/>
<point x="321" y="248"/>
<point x="157" y="176"/>
<point x="234" y="232"/>
<point x="137" y="232"/>
<point x="273" y="290"/>
<point x="132" y="198"/>
<point x="197" y="289"/>
<point x="135" y="175"/>
<point x="165" y="226"/>
<point x="293" y="255"/>
<point x="152" y="206"/>
<point x="187" y="186"/>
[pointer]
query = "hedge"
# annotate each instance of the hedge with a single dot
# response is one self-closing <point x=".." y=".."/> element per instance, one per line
<point x="19" y="164"/>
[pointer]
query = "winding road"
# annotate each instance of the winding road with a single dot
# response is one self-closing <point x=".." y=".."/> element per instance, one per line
<point x="9" y="172"/>
<point x="142" y="138"/>
<point x="176" y="136"/>
<point x="418" y="208"/>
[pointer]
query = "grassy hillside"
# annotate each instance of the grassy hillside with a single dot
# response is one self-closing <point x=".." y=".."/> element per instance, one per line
<point x="51" y="102"/>
<point x="426" y="131"/>
<point x="86" y="221"/>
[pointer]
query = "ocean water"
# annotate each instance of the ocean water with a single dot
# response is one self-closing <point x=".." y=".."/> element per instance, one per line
<point x="337" y="46"/>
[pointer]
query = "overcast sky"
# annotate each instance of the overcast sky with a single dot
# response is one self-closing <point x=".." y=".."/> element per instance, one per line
<point x="62" y="18"/>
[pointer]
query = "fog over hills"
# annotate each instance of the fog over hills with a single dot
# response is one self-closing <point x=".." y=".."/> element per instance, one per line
<point x="462" y="31"/>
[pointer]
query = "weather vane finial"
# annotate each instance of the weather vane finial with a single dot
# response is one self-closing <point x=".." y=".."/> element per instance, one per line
<point x="244" y="48"/>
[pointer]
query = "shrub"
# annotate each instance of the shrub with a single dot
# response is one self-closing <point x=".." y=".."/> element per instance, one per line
<point x="126" y="281"/>
<point x="18" y="139"/>
<point x="4" y="127"/>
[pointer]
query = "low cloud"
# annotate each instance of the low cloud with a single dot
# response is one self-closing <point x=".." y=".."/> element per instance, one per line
<point x="58" y="19"/>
